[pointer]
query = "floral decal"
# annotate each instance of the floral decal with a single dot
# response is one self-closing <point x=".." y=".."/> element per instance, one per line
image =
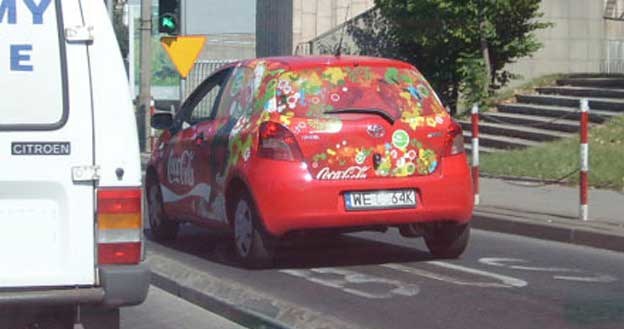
<point x="307" y="100"/>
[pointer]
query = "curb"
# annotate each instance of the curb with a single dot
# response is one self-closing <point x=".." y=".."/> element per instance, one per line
<point x="234" y="301"/>
<point x="551" y="228"/>
<point x="525" y="179"/>
<point x="234" y="313"/>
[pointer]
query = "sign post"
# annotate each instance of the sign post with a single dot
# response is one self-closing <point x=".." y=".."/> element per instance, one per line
<point x="584" y="184"/>
<point x="475" y="153"/>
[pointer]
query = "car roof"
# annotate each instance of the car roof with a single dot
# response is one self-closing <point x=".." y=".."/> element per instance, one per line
<point x="302" y="62"/>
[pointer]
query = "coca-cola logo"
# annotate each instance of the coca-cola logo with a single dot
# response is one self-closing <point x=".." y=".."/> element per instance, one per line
<point x="180" y="169"/>
<point x="354" y="172"/>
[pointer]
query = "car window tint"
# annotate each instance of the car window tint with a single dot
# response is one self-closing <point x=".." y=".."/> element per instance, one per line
<point x="204" y="99"/>
<point x="203" y="110"/>
<point x="238" y="94"/>
<point x="402" y="93"/>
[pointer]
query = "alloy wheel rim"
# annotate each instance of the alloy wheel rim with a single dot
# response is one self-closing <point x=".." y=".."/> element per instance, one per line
<point x="243" y="228"/>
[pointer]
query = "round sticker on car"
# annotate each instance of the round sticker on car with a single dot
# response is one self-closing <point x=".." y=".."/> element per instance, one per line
<point x="400" y="139"/>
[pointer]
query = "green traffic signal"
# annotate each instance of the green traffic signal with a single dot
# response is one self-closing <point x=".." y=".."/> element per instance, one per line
<point x="168" y="24"/>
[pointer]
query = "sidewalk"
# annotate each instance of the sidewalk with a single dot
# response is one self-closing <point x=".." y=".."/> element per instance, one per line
<point x="551" y="212"/>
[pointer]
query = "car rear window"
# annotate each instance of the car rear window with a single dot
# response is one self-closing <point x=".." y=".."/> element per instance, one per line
<point x="32" y="66"/>
<point x="400" y="92"/>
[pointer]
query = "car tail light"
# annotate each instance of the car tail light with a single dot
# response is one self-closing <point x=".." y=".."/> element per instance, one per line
<point x="119" y="226"/>
<point x="278" y="143"/>
<point x="454" y="139"/>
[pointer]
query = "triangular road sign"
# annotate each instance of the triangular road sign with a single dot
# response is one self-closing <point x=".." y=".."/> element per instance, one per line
<point x="183" y="51"/>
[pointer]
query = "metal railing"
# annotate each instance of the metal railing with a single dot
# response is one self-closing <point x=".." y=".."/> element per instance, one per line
<point x="614" y="57"/>
<point x="200" y="72"/>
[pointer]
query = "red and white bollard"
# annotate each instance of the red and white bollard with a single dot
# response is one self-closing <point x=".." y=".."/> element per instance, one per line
<point x="475" y="153"/>
<point x="583" y="213"/>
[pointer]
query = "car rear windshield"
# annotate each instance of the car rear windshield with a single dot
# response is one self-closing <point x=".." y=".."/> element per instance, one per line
<point x="316" y="92"/>
<point x="32" y="68"/>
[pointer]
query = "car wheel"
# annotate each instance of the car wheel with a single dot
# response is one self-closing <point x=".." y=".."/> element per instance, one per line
<point x="162" y="228"/>
<point x="253" y="245"/>
<point x="447" y="240"/>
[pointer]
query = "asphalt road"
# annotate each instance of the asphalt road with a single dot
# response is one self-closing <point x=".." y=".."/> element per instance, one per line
<point x="375" y="280"/>
<point x="165" y="311"/>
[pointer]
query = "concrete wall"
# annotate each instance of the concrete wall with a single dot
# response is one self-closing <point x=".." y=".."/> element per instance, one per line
<point x="281" y="25"/>
<point x="229" y="46"/>
<point x="311" y="18"/>
<point x="576" y="43"/>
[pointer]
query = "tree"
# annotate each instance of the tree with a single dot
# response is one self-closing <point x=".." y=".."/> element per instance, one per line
<point x="447" y="39"/>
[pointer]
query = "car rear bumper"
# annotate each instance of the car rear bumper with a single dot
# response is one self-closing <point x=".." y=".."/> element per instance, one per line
<point x="291" y="200"/>
<point x="120" y="286"/>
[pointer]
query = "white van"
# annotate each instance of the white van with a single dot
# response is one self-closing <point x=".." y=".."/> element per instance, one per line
<point x="71" y="243"/>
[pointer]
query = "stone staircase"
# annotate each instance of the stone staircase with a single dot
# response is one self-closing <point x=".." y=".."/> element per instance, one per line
<point x="548" y="114"/>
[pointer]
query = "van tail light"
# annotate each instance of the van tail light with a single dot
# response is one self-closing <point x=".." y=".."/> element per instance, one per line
<point x="278" y="143"/>
<point x="454" y="139"/>
<point x="119" y="225"/>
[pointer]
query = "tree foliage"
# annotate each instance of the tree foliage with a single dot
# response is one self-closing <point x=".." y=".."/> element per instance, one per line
<point x="443" y="38"/>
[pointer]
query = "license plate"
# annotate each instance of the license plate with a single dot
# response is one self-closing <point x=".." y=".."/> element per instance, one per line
<point x="369" y="200"/>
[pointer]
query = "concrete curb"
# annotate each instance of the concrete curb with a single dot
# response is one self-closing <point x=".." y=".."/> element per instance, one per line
<point x="560" y="229"/>
<point x="235" y="313"/>
<point x="238" y="303"/>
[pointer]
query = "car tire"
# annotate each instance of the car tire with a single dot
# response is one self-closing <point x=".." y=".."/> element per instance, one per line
<point x="447" y="240"/>
<point x="161" y="227"/>
<point x="411" y="230"/>
<point x="254" y="247"/>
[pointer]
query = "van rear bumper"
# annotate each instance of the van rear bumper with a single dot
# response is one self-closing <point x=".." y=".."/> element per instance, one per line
<point x="120" y="286"/>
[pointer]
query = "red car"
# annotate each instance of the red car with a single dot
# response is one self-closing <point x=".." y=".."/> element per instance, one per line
<point x="273" y="146"/>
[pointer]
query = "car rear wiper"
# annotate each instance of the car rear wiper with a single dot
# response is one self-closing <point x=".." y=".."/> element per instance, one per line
<point x="378" y="112"/>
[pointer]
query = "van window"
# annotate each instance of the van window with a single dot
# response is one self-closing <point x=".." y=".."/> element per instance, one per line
<point x="32" y="68"/>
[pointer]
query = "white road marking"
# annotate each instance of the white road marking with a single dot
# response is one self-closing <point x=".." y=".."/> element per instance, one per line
<point x="507" y="281"/>
<point x="351" y="277"/>
<point x="599" y="278"/>
<point x="448" y="279"/>
<point x="500" y="262"/>
<point x="504" y="262"/>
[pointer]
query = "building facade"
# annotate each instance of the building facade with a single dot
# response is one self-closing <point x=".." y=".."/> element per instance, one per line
<point x="586" y="36"/>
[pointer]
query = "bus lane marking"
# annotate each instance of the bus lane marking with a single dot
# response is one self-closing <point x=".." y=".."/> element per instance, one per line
<point x="507" y="263"/>
<point x="505" y="281"/>
<point x="347" y="278"/>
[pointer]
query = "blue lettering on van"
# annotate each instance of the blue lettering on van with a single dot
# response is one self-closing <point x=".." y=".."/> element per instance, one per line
<point x="8" y="9"/>
<point x="20" y="58"/>
<point x="37" y="10"/>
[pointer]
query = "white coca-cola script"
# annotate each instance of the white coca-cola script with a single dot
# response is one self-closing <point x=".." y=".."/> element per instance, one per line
<point x="355" y="172"/>
<point x="180" y="170"/>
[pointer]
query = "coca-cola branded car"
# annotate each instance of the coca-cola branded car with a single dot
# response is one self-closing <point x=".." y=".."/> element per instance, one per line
<point x="276" y="146"/>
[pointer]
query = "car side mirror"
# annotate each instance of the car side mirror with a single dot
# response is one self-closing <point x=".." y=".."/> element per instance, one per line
<point x="162" y="120"/>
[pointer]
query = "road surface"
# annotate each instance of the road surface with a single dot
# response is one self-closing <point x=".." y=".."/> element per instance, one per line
<point x="375" y="280"/>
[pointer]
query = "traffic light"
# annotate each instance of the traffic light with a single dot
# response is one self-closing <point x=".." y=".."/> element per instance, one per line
<point x="169" y="16"/>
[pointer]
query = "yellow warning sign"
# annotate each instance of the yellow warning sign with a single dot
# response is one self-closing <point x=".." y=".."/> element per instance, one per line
<point x="183" y="51"/>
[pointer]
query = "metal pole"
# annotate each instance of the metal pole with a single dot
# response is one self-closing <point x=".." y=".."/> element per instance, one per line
<point x="583" y="211"/>
<point x="146" y="65"/>
<point x="131" y="50"/>
<point x="183" y="31"/>
<point x="475" y="153"/>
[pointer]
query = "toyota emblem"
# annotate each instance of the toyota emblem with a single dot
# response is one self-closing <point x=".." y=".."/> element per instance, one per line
<point x="376" y="131"/>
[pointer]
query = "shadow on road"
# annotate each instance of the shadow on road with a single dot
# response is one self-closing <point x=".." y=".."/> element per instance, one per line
<point x="305" y="251"/>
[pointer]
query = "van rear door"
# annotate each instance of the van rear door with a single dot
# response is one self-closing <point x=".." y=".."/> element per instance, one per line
<point x="46" y="146"/>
